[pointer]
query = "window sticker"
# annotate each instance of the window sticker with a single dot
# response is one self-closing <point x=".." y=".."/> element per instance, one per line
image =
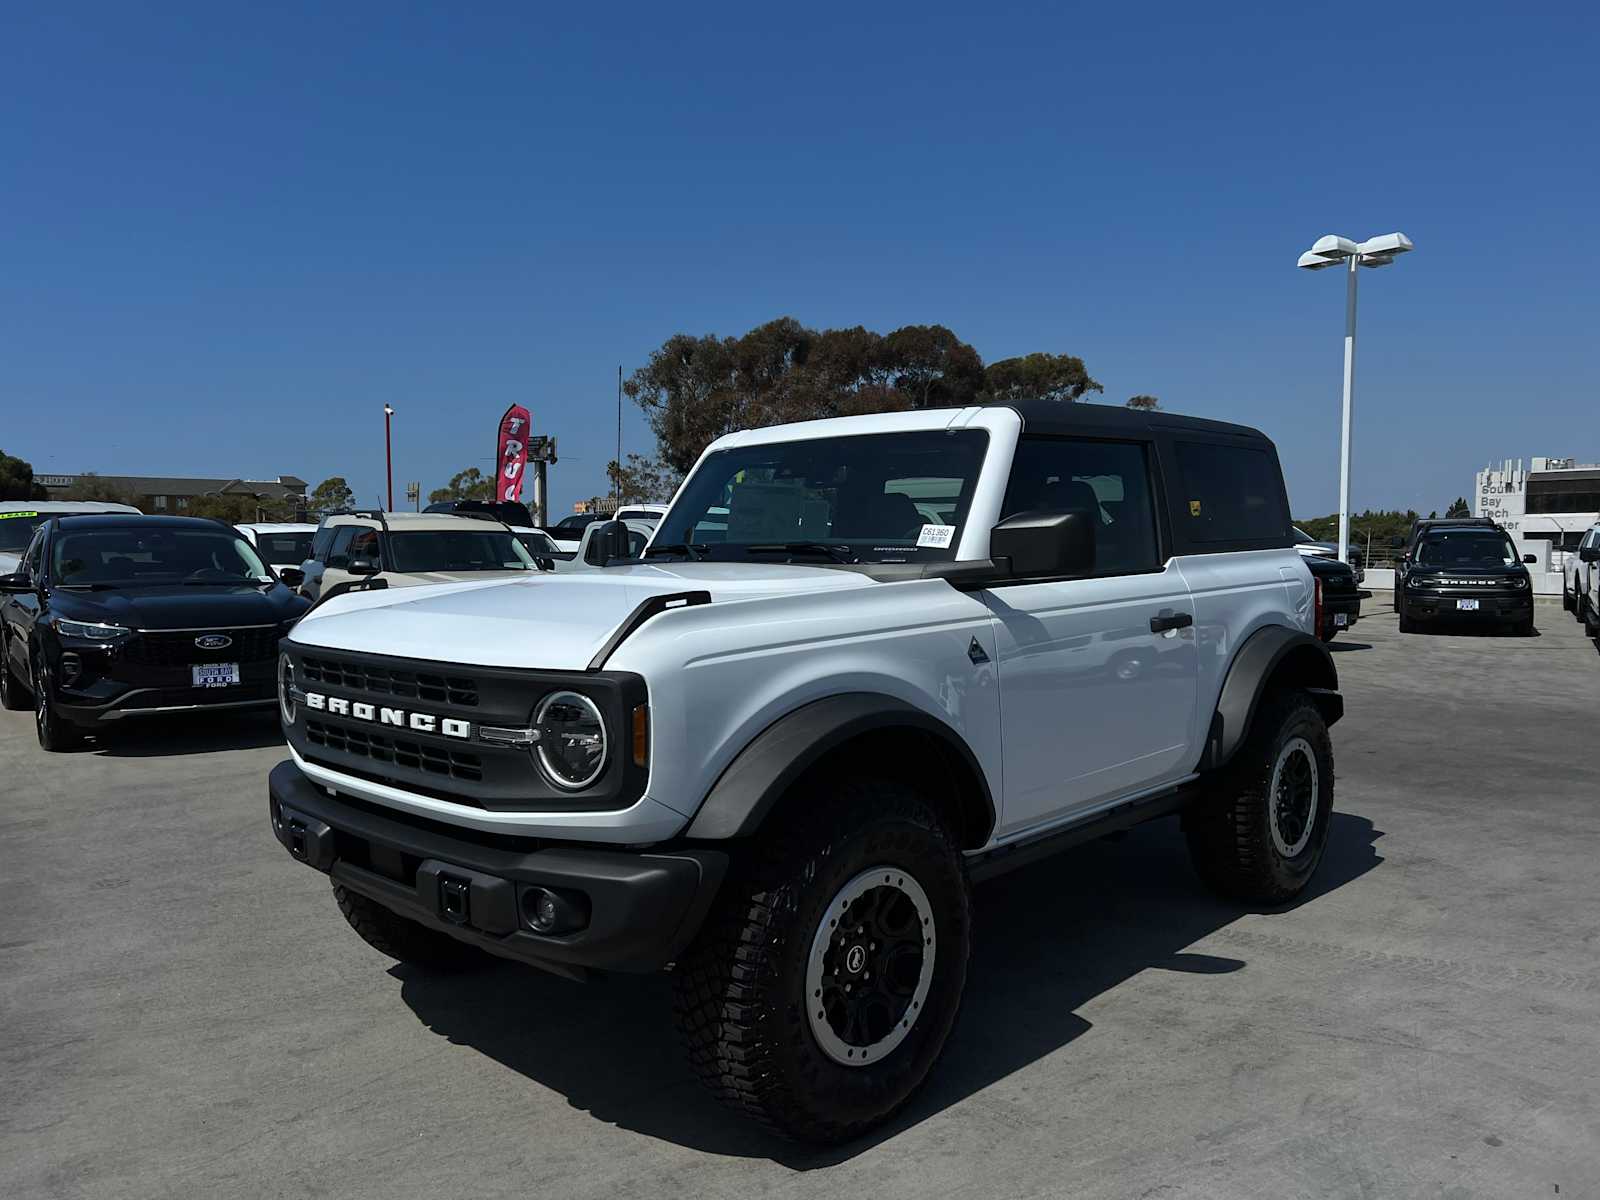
<point x="936" y="537"/>
<point x="1194" y="508"/>
<point x="6" y="516"/>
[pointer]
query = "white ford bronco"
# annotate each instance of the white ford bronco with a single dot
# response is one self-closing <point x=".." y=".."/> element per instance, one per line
<point x="864" y="663"/>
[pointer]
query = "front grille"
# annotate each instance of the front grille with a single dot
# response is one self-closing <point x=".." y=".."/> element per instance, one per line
<point x="177" y="649"/>
<point x="401" y="752"/>
<point x="386" y="681"/>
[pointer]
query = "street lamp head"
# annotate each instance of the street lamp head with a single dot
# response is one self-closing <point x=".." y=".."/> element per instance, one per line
<point x="387" y="411"/>
<point x="1375" y="260"/>
<point x="1333" y="246"/>
<point x="1317" y="262"/>
<point x="1388" y="244"/>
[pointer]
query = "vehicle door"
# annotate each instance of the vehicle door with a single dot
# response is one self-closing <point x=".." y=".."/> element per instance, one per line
<point x="22" y="611"/>
<point x="1097" y="674"/>
<point x="1588" y="572"/>
<point x="334" y="568"/>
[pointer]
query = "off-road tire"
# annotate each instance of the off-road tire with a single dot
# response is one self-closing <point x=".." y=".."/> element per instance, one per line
<point x="403" y="939"/>
<point x="1230" y="835"/>
<point x="13" y="695"/>
<point x="55" y="732"/>
<point x="739" y="990"/>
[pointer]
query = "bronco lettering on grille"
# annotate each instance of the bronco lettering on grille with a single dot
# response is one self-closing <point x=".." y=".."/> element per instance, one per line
<point x="450" y="727"/>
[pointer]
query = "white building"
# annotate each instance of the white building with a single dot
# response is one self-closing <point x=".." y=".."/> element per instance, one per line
<point x="1545" y="508"/>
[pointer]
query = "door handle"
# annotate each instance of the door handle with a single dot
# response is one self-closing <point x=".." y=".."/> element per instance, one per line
<point x="1168" y="621"/>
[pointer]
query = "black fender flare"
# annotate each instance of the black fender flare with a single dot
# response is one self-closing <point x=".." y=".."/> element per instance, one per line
<point x="1249" y="676"/>
<point x="753" y="783"/>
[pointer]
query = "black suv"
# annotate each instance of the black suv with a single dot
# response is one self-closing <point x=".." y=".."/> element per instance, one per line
<point x="117" y="616"/>
<point x="1463" y="569"/>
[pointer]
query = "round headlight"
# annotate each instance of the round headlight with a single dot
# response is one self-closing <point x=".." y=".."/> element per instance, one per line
<point x="285" y="682"/>
<point x="572" y="740"/>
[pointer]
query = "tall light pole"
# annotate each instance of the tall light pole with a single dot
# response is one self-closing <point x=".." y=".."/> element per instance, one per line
<point x="1330" y="251"/>
<point x="388" y="456"/>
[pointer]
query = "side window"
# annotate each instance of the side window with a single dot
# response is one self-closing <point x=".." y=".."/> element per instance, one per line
<point x="364" y="544"/>
<point x="1229" y="493"/>
<point x="33" y="560"/>
<point x="1110" y="479"/>
<point x="339" y="551"/>
<point x="321" y="542"/>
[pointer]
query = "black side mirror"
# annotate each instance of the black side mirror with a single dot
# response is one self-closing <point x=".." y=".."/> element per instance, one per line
<point x="1587" y="554"/>
<point x="1042" y="545"/>
<point x="15" y="585"/>
<point x="293" y="576"/>
<point x="363" y="566"/>
<point x="1530" y="558"/>
<point x="1397" y="541"/>
<point x="609" y="542"/>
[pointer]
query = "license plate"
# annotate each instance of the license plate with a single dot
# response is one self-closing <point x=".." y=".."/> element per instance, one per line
<point x="1467" y="605"/>
<point x="215" y="675"/>
<point x="1340" y="620"/>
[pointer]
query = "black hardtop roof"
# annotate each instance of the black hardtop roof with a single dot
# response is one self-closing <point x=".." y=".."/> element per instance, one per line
<point x="1062" y="418"/>
<point x="1425" y="524"/>
<point x="88" y="522"/>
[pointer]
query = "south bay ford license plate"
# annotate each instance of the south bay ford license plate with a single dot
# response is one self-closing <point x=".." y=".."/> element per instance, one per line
<point x="1467" y="605"/>
<point x="215" y="675"/>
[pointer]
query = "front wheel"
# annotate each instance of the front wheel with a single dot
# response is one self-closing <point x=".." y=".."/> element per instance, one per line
<point x="826" y="981"/>
<point x="55" y="733"/>
<point x="1262" y="833"/>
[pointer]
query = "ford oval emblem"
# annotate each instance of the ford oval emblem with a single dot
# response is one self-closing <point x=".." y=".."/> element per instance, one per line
<point x="214" y="641"/>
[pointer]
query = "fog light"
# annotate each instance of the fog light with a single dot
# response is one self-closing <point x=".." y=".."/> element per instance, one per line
<point x="71" y="669"/>
<point x="551" y="912"/>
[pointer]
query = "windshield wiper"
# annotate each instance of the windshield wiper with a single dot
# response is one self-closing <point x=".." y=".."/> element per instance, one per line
<point x="91" y="587"/>
<point x="840" y="554"/>
<point x="226" y="582"/>
<point x="693" y="551"/>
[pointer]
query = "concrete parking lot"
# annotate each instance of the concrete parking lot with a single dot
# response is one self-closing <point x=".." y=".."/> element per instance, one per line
<point x="184" y="1013"/>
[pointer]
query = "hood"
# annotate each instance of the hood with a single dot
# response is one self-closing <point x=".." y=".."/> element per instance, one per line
<point x="550" y="621"/>
<point x="179" y="607"/>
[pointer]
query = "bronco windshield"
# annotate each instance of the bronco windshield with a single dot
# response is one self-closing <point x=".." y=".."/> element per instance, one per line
<point x="1467" y="548"/>
<point x="134" y="557"/>
<point x="458" y="550"/>
<point x="888" y="497"/>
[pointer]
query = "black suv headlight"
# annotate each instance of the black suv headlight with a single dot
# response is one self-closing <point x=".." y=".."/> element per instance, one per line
<point x="570" y="736"/>
<point x="1518" y="581"/>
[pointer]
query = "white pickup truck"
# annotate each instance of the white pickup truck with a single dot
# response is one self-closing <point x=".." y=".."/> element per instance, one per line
<point x="863" y="664"/>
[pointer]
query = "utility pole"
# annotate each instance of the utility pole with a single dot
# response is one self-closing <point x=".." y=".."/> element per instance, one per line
<point x="616" y="483"/>
<point x="388" y="456"/>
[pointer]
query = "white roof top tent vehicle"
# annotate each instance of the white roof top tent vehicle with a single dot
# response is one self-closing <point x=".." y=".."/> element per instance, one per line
<point x="401" y="549"/>
<point x="862" y="663"/>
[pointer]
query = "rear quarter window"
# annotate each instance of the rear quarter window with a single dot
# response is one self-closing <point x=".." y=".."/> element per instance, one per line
<point x="1230" y="494"/>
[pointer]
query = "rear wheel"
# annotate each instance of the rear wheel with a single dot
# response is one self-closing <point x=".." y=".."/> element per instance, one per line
<point x="403" y="939"/>
<point x="1262" y="834"/>
<point x="13" y="695"/>
<point x="822" y="989"/>
<point x="55" y="732"/>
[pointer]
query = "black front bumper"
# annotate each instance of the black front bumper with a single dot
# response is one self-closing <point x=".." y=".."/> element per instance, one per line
<point x="1348" y="603"/>
<point x="643" y="909"/>
<point x="1421" y="605"/>
<point x="109" y="683"/>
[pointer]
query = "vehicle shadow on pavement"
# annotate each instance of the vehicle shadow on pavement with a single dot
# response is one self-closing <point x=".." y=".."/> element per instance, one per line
<point x="1048" y="939"/>
<point x="1342" y="647"/>
<point x="195" y="733"/>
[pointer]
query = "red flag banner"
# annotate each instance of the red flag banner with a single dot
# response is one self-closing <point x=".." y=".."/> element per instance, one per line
<point x="512" y="457"/>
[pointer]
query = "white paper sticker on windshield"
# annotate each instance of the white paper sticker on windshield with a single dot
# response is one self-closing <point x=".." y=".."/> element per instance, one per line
<point x="936" y="537"/>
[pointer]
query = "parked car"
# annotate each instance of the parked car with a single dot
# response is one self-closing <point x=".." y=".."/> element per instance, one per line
<point x="568" y="532"/>
<point x="1579" y="578"/>
<point x="19" y="518"/>
<point x="775" y="754"/>
<point x="409" y="549"/>
<point x="111" y="617"/>
<point x="280" y="544"/>
<point x="1339" y="595"/>
<point x="1312" y="548"/>
<point x="1463" y="571"/>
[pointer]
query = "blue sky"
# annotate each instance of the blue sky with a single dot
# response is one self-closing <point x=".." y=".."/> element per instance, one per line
<point x="230" y="233"/>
